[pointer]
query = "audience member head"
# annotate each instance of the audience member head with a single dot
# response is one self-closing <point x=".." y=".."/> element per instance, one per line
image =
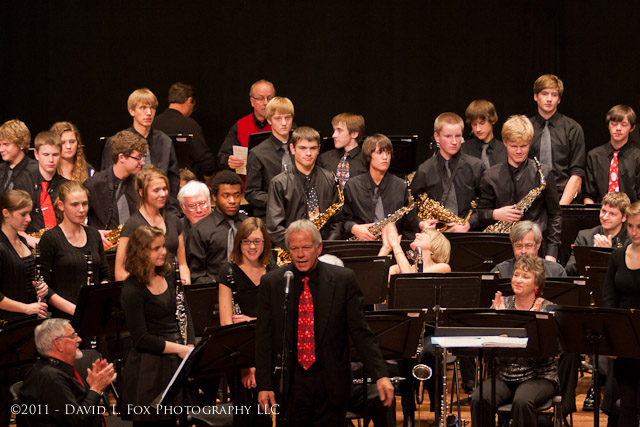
<point x="347" y="128"/>
<point x="152" y="187"/>
<point x="526" y="238"/>
<point x="304" y="242"/>
<point x="15" y="140"/>
<point x="56" y="338"/>
<point x="481" y="116"/>
<point x="251" y="243"/>
<point x="260" y="94"/>
<point x="226" y="189"/>
<point x="195" y="201"/>
<point x="146" y="254"/>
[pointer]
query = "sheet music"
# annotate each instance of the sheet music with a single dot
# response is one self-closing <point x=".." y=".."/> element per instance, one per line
<point x="241" y="153"/>
<point x="480" y="342"/>
<point x="158" y="400"/>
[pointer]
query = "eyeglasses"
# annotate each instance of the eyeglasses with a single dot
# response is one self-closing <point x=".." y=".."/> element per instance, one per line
<point x="194" y="206"/>
<point x="73" y="336"/>
<point x="137" y="159"/>
<point x="256" y="242"/>
<point x="520" y="246"/>
<point x="262" y="98"/>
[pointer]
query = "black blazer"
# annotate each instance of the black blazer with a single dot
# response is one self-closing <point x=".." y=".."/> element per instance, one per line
<point x="339" y="315"/>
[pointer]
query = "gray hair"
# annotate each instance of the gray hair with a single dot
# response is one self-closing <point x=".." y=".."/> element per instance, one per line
<point x="304" y="226"/>
<point x="193" y="188"/>
<point x="46" y="332"/>
<point x="522" y="228"/>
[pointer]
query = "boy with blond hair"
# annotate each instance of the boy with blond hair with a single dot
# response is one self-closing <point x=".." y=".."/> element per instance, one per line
<point x="15" y="139"/>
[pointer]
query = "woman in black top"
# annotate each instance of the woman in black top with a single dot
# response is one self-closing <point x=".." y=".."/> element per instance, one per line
<point x="73" y="164"/>
<point x="622" y="290"/>
<point x="149" y="303"/>
<point x="64" y="249"/>
<point x="17" y="265"/>
<point x="153" y="192"/>
<point x="238" y="295"/>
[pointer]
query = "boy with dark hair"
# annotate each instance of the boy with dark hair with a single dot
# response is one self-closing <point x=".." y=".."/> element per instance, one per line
<point x="614" y="166"/>
<point x="43" y="183"/>
<point x="303" y="191"/>
<point x="211" y="239"/>
<point x="112" y="194"/>
<point x="481" y="116"/>
<point x="345" y="160"/>
<point x="15" y="139"/>
<point x="558" y="141"/>
<point x="450" y="177"/>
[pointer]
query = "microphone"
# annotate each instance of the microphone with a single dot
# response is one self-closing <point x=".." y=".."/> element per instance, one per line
<point x="419" y="260"/>
<point x="288" y="276"/>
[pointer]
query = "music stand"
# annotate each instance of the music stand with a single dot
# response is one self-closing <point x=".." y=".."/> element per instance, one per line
<point x="574" y="219"/>
<point x="590" y="256"/>
<point x="256" y="138"/>
<point x="595" y="283"/>
<point x="202" y="300"/>
<point x="478" y="251"/>
<point x="372" y="274"/>
<point x="599" y="331"/>
<point x="423" y="290"/>
<point x="181" y="144"/>
<point x="357" y="248"/>
<point x="405" y="149"/>
<point x="17" y="346"/>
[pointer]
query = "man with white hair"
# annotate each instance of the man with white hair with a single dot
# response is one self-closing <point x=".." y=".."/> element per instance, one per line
<point x="195" y="202"/>
<point x="54" y="384"/>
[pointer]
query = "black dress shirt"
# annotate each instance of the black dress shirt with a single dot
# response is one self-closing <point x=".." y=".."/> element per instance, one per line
<point x="163" y="156"/>
<point x="596" y="186"/>
<point x="496" y="151"/>
<point x="504" y="185"/>
<point x="207" y="245"/>
<point x="330" y="159"/>
<point x="27" y="164"/>
<point x="585" y="238"/>
<point x="103" y="206"/>
<point x="51" y="383"/>
<point x="231" y="139"/>
<point x="263" y="164"/>
<point x="201" y="160"/>
<point x="466" y="173"/>
<point x="359" y="207"/>
<point x="288" y="202"/>
<point x="567" y="146"/>
<point x="31" y="182"/>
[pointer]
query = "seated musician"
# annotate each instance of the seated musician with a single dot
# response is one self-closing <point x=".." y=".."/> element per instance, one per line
<point x="506" y="189"/>
<point x="195" y="202"/>
<point x="304" y="192"/>
<point x="526" y="382"/>
<point x="611" y="233"/>
<point x="112" y="193"/>
<point x="481" y="116"/>
<point x="450" y="177"/>
<point x="526" y="239"/>
<point x="373" y="196"/>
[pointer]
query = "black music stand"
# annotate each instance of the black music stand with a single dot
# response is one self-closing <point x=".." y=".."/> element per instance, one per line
<point x="424" y="290"/>
<point x="599" y="331"/>
<point x="591" y="256"/>
<point x="372" y="273"/>
<point x="478" y="251"/>
<point x="202" y="299"/>
<point x="182" y="144"/>
<point x="574" y="219"/>
<point x="405" y="150"/>
<point x="17" y="346"/>
<point x="357" y="248"/>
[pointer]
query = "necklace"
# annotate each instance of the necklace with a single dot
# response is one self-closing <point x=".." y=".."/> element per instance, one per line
<point x="530" y="308"/>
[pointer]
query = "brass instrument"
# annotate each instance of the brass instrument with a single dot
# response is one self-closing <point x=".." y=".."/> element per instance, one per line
<point x="432" y="209"/>
<point x="421" y="372"/>
<point x="38" y="234"/>
<point x="523" y="205"/>
<point x="235" y="307"/>
<point x="114" y="236"/>
<point x="376" y="229"/>
<point x="284" y="257"/>
<point x="181" y="310"/>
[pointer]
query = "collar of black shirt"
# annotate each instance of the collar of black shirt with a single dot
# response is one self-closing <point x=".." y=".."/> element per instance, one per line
<point x="301" y="176"/>
<point x="516" y="171"/>
<point x="453" y="162"/>
<point x="219" y="217"/>
<point x="621" y="150"/>
<point x="259" y="124"/>
<point x="277" y="144"/>
<point x="351" y="153"/>
<point x="383" y="183"/>
<point x="298" y="276"/>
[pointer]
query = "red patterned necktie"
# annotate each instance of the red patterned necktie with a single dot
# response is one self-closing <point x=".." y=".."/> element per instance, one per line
<point x="46" y="207"/>
<point x="306" y="334"/>
<point x="614" y="184"/>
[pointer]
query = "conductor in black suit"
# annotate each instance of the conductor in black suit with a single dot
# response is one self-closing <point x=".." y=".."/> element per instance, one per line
<point x="324" y="309"/>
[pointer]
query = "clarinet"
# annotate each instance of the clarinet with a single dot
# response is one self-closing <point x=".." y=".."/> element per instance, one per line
<point x="181" y="311"/>
<point x="89" y="259"/>
<point x="39" y="279"/>
<point x="235" y="307"/>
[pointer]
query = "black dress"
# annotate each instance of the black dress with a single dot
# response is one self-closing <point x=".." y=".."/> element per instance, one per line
<point x="16" y="276"/>
<point x="64" y="266"/>
<point x="171" y="222"/>
<point x="147" y="371"/>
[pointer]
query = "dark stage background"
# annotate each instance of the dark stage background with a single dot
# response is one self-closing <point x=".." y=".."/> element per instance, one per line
<point x="399" y="63"/>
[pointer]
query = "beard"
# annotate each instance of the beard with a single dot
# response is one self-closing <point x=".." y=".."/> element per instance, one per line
<point x="78" y="354"/>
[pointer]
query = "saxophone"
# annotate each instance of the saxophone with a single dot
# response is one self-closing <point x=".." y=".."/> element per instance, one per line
<point x="38" y="234"/>
<point x="114" y="236"/>
<point x="235" y="307"/>
<point x="523" y="205"/>
<point x="432" y="209"/>
<point x="181" y="309"/>
<point x="376" y="229"/>
<point x="284" y="257"/>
